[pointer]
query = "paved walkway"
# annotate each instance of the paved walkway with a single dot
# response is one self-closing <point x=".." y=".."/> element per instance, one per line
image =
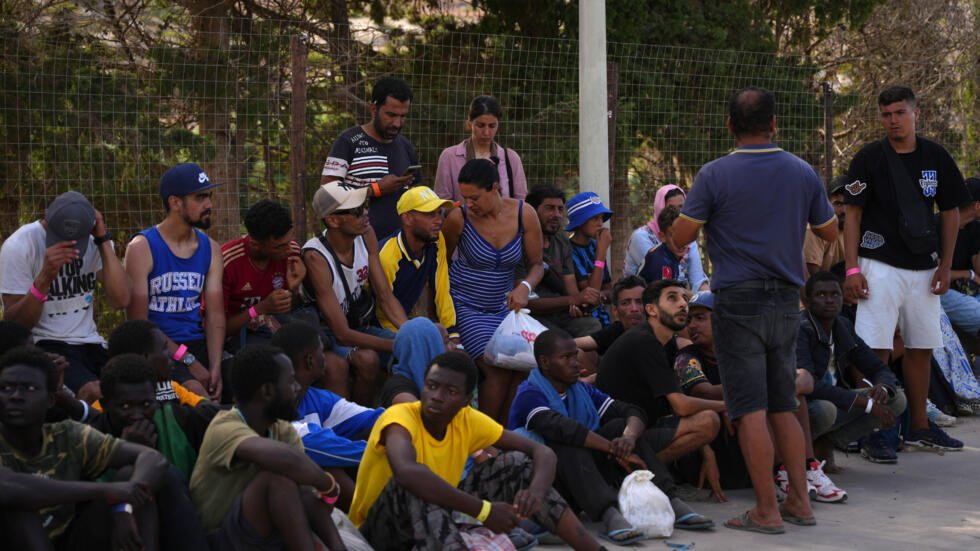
<point x="925" y="501"/>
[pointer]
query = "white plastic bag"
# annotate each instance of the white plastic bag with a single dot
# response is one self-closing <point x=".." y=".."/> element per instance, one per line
<point x="645" y="506"/>
<point x="512" y="344"/>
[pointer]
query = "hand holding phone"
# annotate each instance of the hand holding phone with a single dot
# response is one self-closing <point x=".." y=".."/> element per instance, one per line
<point x="411" y="169"/>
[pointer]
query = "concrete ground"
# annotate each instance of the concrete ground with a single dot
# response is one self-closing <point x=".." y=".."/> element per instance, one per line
<point x="925" y="501"/>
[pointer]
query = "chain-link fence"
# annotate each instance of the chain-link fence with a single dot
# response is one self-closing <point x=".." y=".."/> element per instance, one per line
<point x="104" y="105"/>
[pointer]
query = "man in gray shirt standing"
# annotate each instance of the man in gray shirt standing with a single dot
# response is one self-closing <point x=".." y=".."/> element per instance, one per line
<point x="754" y="204"/>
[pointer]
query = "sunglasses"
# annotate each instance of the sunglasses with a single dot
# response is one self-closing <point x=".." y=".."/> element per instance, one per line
<point x="357" y="211"/>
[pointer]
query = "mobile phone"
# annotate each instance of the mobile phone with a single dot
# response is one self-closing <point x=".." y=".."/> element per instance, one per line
<point x="411" y="169"/>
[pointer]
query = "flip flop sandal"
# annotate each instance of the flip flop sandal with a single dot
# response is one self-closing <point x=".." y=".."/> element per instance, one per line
<point x="522" y="539"/>
<point x="690" y="522"/>
<point x="793" y="519"/>
<point x="611" y="536"/>
<point x="744" y="522"/>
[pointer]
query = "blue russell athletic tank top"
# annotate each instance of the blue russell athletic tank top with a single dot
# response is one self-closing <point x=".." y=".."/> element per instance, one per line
<point x="175" y="287"/>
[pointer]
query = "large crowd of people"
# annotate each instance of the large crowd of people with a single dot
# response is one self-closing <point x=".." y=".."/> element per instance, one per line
<point x="262" y="390"/>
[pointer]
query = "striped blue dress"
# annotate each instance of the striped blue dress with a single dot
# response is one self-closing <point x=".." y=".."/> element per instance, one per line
<point x="480" y="277"/>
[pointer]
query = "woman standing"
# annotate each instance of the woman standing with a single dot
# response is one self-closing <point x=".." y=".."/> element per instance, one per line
<point x="647" y="236"/>
<point x="490" y="234"/>
<point x="483" y="121"/>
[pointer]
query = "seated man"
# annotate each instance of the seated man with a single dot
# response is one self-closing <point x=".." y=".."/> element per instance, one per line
<point x="48" y="270"/>
<point x="560" y="303"/>
<point x="262" y="275"/>
<point x="175" y="267"/>
<point x="53" y="507"/>
<point x="820" y="255"/>
<point x="664" y="260"/>
<point x="590" y="432"/>
<point x="261" y="492"/>
<point x="132" y="413"/>
<point x="409" y="480"/>
<point x="854" y="394"/>
<point x="417" y="342"/>
<point x="638" y="370"/>
<point x="414" y="260"/>
<point x="697" y="372"/>
<point x="962" y="301"/>
<point x="144" y="338"/>
<point x="340" y="263"/>
<point x="628" y="307"/>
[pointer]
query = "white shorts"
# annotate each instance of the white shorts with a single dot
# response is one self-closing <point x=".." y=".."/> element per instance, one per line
<point x="898" y="297"/>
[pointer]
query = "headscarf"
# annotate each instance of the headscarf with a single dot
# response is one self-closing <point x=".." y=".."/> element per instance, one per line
<point x="659" y="201"/>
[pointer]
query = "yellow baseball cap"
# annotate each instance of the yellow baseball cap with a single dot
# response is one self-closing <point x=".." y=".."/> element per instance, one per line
<point x="422" y="199"/>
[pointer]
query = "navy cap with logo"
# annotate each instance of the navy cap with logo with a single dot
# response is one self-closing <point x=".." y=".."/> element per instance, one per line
<point x="704" y="299"/>
<point x="184" y="179"/>
<point x="70" y="217"/>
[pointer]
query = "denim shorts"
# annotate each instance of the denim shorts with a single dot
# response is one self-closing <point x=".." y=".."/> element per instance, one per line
<point x="755" y="325"/>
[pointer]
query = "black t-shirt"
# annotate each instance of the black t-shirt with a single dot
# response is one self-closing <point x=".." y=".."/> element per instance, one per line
<point x="359" y="160"/>
<point x="636" y="370"/>
<point x="937" y="179"/>
<point x="605" y="337"/>
<point x="967" y="246"/>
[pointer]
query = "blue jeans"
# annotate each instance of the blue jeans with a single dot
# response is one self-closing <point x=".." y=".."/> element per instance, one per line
<point x="755" y="326"/>
<point x="963" y="310"/>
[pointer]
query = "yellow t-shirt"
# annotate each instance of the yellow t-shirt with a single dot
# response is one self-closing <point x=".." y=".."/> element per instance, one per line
<point x="218" y="476"/>
<point x="469" y="431"/>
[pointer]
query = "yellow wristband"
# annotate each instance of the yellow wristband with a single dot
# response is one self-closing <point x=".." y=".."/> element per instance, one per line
<point x="484" y="512"/>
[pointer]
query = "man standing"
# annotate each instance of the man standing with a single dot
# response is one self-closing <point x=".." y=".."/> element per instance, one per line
<point x="560" y="304"/>
<point x="376" y="156"/>
<point x="262" y="275"/>
<point x="48" y="271"/>
<point x="414" y="259"/>
<point x="173" y="266"/>
<point x="758" y="273"/>
<point x="890" y="241"/>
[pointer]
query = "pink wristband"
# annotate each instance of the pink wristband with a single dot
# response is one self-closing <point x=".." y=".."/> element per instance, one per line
<point x="252" y="313"/>
<point x="38" y="294"/>
<point x="852" y="271"/>
<point x="179" y="354"/>
<point x="329" y="500"/>
<point x="599" y="264"/>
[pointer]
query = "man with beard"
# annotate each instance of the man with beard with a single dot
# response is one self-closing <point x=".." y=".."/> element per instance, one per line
<point x="253" y="486"/>
<point x="560" y="304"/>
<point x="376" y="156"/>
<point x="345" y="280"/>
<point x="48" y="272"/>
<point x="414" y="260"/>
<point x="820" y="255"/>
<point x="262" y="275"/>
<point x="638" y="369"/>
<point x="174" y="266"/>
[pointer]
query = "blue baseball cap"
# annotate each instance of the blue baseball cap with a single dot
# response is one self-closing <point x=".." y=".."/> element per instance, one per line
<point x="184" y="179"/>
<point x="583" y="206"/>
<point x="704" y="299"/>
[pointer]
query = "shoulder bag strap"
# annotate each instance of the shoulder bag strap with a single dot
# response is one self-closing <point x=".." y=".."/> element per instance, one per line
<point x="510" y="173"/>
<point x="338" y="269"/>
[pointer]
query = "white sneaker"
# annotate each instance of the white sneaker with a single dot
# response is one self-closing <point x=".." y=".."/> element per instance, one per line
<point x="826" y="492"/>
<point x="782" y="485"/>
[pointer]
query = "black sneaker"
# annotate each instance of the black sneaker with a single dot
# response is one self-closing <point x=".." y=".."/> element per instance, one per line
<point x="875" y="449"/>
<point x="935" y="438"/>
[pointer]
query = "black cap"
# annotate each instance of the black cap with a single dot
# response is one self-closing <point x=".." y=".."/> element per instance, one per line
<point x="836" y="186"/>
<point x="973" y="186"/>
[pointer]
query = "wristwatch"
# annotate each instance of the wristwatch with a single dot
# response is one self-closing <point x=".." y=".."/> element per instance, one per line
<point x="188" y="359"/>
<point x="98" y="240"/>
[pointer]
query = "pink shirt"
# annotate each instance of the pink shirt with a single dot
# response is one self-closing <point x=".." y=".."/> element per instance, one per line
<point x="452" y="159"/>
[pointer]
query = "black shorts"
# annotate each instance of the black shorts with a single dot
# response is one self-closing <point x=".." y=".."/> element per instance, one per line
<point x="85" y="361"/>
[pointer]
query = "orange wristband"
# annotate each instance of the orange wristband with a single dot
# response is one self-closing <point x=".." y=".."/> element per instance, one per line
<point x="376" y="188"/>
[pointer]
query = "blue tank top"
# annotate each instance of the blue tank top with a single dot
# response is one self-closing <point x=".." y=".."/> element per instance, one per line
<point x="175" y="287"/>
